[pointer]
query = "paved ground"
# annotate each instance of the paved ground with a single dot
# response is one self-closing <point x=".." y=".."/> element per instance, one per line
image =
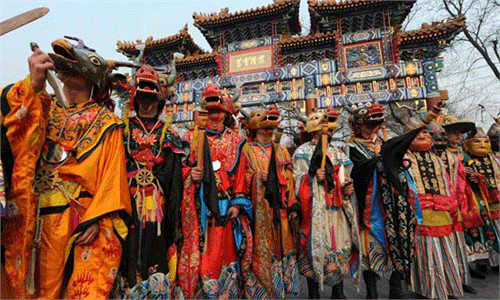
<point x="487" y="289"/>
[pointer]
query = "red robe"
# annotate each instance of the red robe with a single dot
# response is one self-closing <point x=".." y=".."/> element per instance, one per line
<point x="213" y="259"/>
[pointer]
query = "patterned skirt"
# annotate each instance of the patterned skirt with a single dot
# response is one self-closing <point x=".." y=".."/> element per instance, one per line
<point x="461" y="250"/>
<point x="482" y="241"/>
<point x="436" y="272"/>
<point x="285" y="280"/>
<point x="327" y="257"/>
<point x="373" y="255"/>
<point x="157" y="286"/>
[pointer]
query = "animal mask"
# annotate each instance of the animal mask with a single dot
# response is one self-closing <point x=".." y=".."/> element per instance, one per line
<point x="213" y="100"/>
<point x="261" y="118"/>
<point x="332" y="116"/>
<point x="147" y="83"/>
<point x="315" y="121"/>
<point x="167" y="86"/>
<point x="367" y="113"/>
<point x="370" y="115"/>
<point x="79" y="60"/>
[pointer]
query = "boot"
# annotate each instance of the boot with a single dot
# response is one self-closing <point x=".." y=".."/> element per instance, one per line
<point x="395" y="286"/>
<point x="370" y="279"/>
<point x="479" y="272"/>
<point x="313" y="288"/>
<point x="338" y="291"/>
<point x="469" y="289"/>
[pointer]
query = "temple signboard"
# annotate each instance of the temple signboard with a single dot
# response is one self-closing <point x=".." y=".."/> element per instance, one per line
<point x="251" y="60"/>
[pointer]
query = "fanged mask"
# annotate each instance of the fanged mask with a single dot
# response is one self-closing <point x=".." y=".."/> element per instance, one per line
<point x="264" y="118"/>
<point x="369" y="113"/>
<point x="332" y="116"/>
<point x="147" y="83"/>
<point x="213" y="100"/>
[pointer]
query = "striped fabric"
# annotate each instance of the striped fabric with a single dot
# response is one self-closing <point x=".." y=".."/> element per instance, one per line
<point x="285" y="276"/>
<point x="225" y="287"/>
<point x="461" y="251"/>
<point x="436" y="273"/>
<point x="373" y="255"/>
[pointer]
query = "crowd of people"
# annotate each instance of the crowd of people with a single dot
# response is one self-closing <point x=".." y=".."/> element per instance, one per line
<point x="100" y="206"/>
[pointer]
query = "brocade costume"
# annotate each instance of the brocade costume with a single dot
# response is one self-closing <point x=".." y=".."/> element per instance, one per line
<point x="483" y="241"/>
<point x="436" y="271"/>
<point x="274" y="261"/>
<point x="384" y="191"/>
<point x="154" y="171"/>
<point x="328" y="228"/>
<point x="215" y="251"/>
<point x="374" y="256"/>
<point x="79" y="180"/>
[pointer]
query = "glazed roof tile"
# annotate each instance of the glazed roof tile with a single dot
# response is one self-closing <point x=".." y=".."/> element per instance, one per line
<point x="129" y="48"/>
<point x="356" y="15"/>
<point x="224" y="16"/>
<point x="435" y="29"/>
<point x="307" y="39"/>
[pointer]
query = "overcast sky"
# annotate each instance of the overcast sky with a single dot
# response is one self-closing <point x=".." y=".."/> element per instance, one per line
<point x="102" y="23"/>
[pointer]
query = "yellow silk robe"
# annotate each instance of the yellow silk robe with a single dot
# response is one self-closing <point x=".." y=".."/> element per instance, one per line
<point x="92" y="188"/>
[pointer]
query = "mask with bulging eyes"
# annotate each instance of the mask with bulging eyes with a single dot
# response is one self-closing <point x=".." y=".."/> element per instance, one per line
<point x="80" y="60"/>
<point x="261" y="118"/>
<point x="315" y="121"/>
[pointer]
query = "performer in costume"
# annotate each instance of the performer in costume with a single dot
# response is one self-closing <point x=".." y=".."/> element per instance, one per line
<point x="324" y="192"/>
<point x="447" y="147"/>
<point x="64" y="238"/>
<point x="272" y="191"/>
<point x="484" y="178"/>
<point x="363" y="149"/>
<point x="217" y="241"/>
<point x="436" y="272"/>
<point x="154" y="171"/>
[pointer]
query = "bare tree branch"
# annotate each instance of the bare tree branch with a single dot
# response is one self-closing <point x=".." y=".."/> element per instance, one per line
<point x="473" y="37"/>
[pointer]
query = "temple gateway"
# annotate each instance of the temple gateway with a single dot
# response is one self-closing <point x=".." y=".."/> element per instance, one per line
<point x="355" y="52"/>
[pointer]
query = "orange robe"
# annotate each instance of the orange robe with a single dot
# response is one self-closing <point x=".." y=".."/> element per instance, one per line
<point x="89" y="187"/>
<point x="274" y="259"/>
